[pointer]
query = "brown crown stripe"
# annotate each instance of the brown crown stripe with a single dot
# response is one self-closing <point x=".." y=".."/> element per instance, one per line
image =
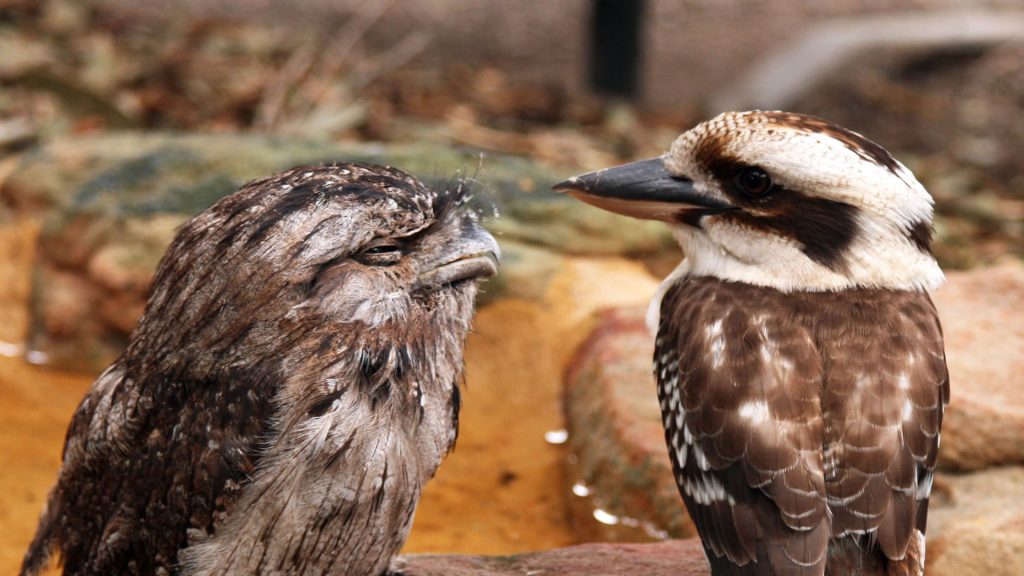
<point x="862" y="146"/>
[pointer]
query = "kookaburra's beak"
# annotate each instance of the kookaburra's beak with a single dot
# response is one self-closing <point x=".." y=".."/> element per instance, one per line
<point x="473" y="255"/>
<point x="643" y="189"/>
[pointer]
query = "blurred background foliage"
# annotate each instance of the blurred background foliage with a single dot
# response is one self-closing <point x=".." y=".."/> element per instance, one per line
<point x="119" y="119"/>
<point x="575" y="85"/>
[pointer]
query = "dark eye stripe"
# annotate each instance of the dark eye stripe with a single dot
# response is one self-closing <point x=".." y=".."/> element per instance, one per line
<point x="824" y="228"/>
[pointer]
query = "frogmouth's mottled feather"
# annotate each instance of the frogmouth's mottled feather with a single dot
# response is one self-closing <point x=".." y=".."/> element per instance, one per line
<point x="289" y="390"/>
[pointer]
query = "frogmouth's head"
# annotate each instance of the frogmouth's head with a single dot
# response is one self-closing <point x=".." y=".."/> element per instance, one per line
<point x="365" y="253"/>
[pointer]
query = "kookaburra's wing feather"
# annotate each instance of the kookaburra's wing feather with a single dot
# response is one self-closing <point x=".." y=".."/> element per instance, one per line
<point x="885" y="391"/>
<point x="744" y="428"/>
<point x="777" y="409"/>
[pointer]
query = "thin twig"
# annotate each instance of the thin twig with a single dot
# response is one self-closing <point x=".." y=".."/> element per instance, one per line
<point x="394" y="57"/>
<point x="275" y="93"/>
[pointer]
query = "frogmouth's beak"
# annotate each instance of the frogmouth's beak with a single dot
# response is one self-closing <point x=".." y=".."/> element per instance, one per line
<point x="643" y="189"/>
<point x="474" y="255"/>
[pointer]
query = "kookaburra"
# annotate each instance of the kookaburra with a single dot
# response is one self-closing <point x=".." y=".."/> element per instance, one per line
<point x="799" y="358"/>
<point x="292" y="385"/>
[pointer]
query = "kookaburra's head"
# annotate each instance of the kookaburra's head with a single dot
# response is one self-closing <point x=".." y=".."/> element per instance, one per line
<point x="363" y="252"/>
<point x="781" y="200"/>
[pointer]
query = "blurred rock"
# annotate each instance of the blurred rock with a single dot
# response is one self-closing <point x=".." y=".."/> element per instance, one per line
<point x="17" y="251"/>
<point x="982" y="314"/>
<point x="615" y="429"/>
<point x="953" y="116"/>
<point x="676" y="558"/>
<point x="110" y="205"/>
<point x="615" y="424"/>
<point x="570" y="228"/>
<point x="22" y="52"/>
<point x="526" y="272"/>
<point x="976" y="525"/>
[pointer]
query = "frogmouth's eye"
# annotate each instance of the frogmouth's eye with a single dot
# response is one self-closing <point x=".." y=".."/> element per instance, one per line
<point x="754" y="182"/>
<point x="381" y="254"/>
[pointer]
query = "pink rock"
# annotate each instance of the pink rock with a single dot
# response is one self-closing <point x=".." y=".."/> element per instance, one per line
<point x="976" y="523"/>
<point x="615" y="430"/>
<point x="615" y="425"/>
<point x="672" y="558"/>
<point x="982" y="314"/>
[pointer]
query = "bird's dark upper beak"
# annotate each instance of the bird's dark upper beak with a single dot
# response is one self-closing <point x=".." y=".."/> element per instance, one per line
<point x="475" y="254"/>
<point x="643" y="189"/>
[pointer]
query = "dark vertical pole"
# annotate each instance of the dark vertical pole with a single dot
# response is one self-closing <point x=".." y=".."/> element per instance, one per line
<point x="615" y="46"/>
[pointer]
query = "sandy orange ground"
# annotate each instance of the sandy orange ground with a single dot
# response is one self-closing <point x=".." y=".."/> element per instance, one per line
<point x="503" y="489"/>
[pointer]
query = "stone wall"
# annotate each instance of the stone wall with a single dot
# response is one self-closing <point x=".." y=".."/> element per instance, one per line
<point x="694" y="48"/>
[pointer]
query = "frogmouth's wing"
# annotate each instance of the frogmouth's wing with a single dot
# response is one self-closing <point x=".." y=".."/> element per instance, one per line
<point x="147" y="466"/>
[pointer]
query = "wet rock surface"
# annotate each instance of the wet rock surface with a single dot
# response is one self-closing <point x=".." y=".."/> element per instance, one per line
<point x="976" y="525"/>
<point x="617" y="438"/>
<point x="615" y="428"/>
<point x="675" y="558"/>
<point x="982" y="314"/>
<point x="111" y="204"/>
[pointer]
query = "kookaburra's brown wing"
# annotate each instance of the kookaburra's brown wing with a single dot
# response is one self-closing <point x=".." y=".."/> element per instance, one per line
<point x="740" y="391"/>
<point x="886" y="387"/>
<point x="796" y="419"/>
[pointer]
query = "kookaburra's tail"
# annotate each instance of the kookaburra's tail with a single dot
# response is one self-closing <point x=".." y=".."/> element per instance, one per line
<point x="849" y="556"/>
<point x="861" y="555"/>
<point x="852" y="555"/>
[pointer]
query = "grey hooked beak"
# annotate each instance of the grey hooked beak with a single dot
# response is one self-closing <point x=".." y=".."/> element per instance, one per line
<point x="472" y="256"/>
<point x="643" y="189"/>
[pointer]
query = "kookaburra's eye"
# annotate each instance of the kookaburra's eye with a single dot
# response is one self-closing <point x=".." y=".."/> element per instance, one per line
<point x="754" y="182"/>
<point x="380" y="255"/>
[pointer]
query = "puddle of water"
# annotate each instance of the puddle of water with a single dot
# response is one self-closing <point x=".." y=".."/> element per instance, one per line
<point x="503" y="490"/>
<point x="34" y="413"/>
